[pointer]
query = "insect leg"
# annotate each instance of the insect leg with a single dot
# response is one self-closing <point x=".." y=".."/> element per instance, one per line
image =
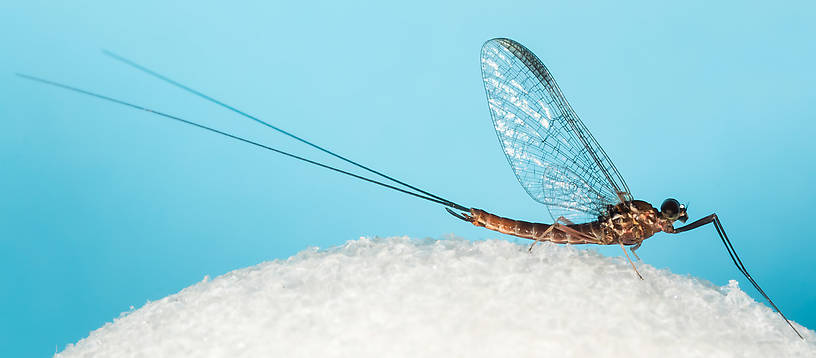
<point x="566" y="230"/>
<point x="546" y="232"/>
<point x="633" y="248"/>
<point x="630" y="260"/>
<point x="549" y="230"/>
<point x="734" y="257"/>
<point x="555" y="226"/>
<point x="561" y="224"/>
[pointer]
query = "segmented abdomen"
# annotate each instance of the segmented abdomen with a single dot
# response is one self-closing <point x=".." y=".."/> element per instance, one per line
<point x="535" y="231"/>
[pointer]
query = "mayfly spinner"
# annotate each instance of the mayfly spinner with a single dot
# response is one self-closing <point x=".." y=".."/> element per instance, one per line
<point x="554" y="156"/>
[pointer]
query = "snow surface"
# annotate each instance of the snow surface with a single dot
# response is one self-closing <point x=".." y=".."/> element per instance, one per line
<point x="449" y="298"/>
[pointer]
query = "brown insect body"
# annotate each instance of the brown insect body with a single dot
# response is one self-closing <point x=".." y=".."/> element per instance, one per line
<point x="628" y="223"/>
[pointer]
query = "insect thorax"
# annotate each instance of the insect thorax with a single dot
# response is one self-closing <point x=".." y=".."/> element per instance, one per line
<point x="630" y="223"/>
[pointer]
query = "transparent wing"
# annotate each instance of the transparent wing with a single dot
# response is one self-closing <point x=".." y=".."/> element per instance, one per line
<point x="555" y="158"/>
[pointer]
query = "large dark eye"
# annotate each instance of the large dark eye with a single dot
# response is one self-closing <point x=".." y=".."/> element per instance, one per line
<point x="670" y="209"/>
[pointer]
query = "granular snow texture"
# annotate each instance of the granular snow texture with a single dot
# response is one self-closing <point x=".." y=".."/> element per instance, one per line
<point x="400" y="297"/>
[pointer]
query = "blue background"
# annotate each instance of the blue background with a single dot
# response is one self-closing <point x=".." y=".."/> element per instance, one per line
<point x="103" y="207"/>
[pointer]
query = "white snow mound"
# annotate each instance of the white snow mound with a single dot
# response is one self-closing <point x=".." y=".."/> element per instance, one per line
<point x="400" y="297"/>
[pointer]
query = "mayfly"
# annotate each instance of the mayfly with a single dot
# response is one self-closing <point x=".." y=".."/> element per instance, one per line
<point x="553" y="155"/>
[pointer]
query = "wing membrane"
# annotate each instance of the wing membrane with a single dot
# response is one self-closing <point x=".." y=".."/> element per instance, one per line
<point x="555" y="158"/>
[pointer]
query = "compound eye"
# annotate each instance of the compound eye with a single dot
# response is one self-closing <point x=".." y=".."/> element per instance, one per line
<point x="670" y="209"/>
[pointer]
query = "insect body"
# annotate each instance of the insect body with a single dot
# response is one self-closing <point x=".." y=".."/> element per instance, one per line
<point x="631" y="223"/>
<point x="553" y="155"/>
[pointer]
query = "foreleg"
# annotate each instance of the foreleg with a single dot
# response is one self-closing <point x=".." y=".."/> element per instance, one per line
<point x="734" y="257"/>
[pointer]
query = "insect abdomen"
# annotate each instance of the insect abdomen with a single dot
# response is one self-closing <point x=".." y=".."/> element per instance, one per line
<point x="524" y="229"/>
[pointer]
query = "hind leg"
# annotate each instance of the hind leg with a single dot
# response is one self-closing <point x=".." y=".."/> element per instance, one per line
<point x="564" y="228"/>
<point x="555" y="226"/>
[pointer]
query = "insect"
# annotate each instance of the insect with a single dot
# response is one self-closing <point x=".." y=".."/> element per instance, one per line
<point x="553" y="155"/>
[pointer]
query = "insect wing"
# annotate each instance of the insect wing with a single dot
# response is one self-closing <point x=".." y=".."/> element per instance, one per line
<point x="555" y="158"/>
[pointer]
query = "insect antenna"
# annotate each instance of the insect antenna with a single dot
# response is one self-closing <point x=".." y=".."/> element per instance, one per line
<point x="432" y="198"/>
<point x="280" y="130"/>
